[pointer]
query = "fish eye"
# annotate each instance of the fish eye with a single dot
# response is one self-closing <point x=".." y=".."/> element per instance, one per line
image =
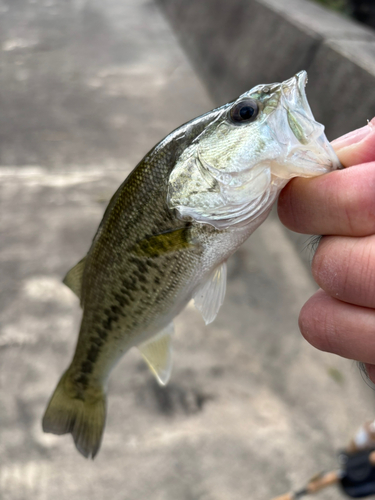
<point x="244" y="111"/>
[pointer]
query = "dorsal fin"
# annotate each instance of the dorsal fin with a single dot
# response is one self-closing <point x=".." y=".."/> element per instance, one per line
<point x="157" y="352"/>
<point x="210" y="295"/>
<point x="73" y="278"/>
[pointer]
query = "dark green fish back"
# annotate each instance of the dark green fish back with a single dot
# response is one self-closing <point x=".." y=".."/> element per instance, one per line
<point x="142" y="253"/>
<point x="141" y="258"/>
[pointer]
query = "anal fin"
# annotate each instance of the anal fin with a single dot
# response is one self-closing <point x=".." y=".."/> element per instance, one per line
<point x="157" y="352"/>
<point x="210" y="295"/>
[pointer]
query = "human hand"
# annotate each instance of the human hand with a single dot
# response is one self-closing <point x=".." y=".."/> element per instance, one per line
<point x="340" y="317"/>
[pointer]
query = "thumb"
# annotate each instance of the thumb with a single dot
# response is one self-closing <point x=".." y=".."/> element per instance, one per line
<point x="357" y="146"/>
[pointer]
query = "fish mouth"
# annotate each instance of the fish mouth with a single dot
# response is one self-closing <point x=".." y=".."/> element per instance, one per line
<point x="307" y="150"/>
<point x="315" y="158"/>
<point x="293" y="90"/>
<point x="318" y="159"/>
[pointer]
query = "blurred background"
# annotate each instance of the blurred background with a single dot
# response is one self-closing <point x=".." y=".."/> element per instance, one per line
<point x="87" y="87"/>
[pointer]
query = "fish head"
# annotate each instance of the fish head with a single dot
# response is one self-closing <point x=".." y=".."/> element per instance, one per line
<point x="234" y="169"/>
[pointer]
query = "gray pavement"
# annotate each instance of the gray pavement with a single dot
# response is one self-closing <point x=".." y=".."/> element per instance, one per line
<point x="251" y="410"/>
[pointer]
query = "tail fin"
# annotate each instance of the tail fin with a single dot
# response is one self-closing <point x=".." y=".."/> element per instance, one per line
<point x="83" y="417"/>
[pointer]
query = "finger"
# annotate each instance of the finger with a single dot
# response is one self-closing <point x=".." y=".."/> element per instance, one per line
<point x="370" y="369"/>
<point x="334" y="326"/>
<point x="356" y="147"/>
<point x="342" y="202"/>
<point x="344" y="267"/>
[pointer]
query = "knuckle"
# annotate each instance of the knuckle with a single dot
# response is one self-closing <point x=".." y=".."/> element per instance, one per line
<point x="358" y="276"/>
<point x="316" y="326"/>
<point x="325" y="266"/>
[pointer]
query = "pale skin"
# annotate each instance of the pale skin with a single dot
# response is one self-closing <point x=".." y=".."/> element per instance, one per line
<point x="340" y="317"/>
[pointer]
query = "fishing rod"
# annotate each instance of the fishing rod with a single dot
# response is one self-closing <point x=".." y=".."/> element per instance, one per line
<point x="356" y="473"/>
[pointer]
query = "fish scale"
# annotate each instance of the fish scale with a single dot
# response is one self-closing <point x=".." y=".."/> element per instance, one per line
<point x="167" y="233"/>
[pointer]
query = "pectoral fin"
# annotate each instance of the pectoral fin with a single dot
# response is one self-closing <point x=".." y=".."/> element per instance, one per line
<point x="73" y="279"/>
<point x="157" y="352"/>
<point x="164" y="243"/>
<point x="210" y="295"/>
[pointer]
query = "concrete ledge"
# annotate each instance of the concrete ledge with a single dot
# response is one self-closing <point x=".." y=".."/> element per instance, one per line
<point x="238" y="44"/>
<point x="343" y="97"/>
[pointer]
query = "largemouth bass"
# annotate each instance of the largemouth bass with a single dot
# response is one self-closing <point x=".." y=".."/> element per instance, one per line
<point x="167" y="233"/>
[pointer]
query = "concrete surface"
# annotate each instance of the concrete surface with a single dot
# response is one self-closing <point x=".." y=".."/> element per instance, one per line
<point x="89" y="82"/>
<point x="343" y="68"/>
<point x="251" y="410"/>
<point x="247" y="42"/>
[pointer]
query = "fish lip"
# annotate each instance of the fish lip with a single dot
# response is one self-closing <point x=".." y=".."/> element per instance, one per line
<point x="314" y="160"/>
<point x="293" y="92"/>
<point x="310" y="163"/>
<point x="299" y="80"/>
<point x="302" y="80"/>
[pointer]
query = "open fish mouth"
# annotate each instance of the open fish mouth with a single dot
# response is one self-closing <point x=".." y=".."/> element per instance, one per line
<point x="306" y="148"/>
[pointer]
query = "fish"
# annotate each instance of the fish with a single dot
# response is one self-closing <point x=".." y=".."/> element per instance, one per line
<point x="168" y="232"/>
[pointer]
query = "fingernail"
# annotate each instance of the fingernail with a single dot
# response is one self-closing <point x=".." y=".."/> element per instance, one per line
<point x="354" y="137"/>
